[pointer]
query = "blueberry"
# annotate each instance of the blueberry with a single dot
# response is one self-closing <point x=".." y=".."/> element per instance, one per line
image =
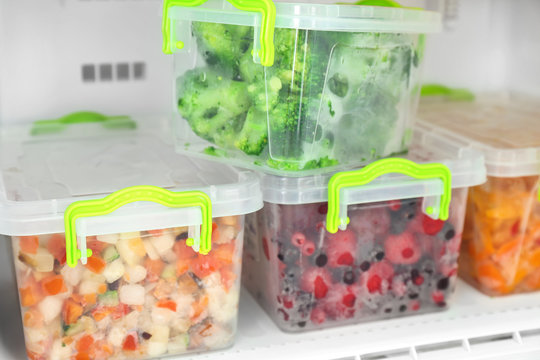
<point x="349" y="277"/>
<point x="379" y="255"/>
<point x="321" y="260"/>
<point x="443" y="283"/>
<point x="114" y="285"/>
<point x="292" y="272"/>
<point x="447" y="233"/>
<point x="413" y="296"/>
<point x="388" y="310"/>
<point x="402" y="308"/>
<point x="288" y="287"/>
<point x="365" y="266"/>
<point x="302" y="324"/>
<point x="414" y="274"/>
<point x="288" y="254"/>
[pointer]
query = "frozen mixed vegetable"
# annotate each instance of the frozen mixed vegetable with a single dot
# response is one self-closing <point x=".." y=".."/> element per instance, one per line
<point x="501" y="241"/>
<point x="140" y="295"/>
<point x="329" y="98"/>
<point x="392" y="260"/>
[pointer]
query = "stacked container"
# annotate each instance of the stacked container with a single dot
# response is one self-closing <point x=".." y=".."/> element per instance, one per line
<point x="392" y="255"/>
<point x="501" y="250"/>
<point x="159" y="269"/>
<point x="302" y="89"/>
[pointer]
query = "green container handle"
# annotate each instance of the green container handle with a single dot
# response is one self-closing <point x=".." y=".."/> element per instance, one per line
<point x="41" y="127"/>
<point x="374" y="170"/>
<point x="453" y="94"/>
<point x="112" y="202"/>
<point x="266" y="8"/>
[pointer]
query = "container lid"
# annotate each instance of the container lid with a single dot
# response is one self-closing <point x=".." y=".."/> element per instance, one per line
<point x="506" y="131"/>
<point x="466" y="168"/>
<point x="46" y="168"/>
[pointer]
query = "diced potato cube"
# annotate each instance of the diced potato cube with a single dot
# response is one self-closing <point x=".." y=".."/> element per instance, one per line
<point x="156" y="348"/>
<point x="134" y="274"/>
<point x="150" y="250"/>
<point x="129" y="252"/>
<point x="163" y="243"/>
<point x="178" y="344"/>
<point x="114" y="271"/>
<point x="116" y="336"/>
<point x="160" y="333"/>
<point x="226" y="235"/>
<point x="50" y="307"/>
<point x="72" y="276"/>
<point x="132" y="294"/>
<point x="59" y="351"/>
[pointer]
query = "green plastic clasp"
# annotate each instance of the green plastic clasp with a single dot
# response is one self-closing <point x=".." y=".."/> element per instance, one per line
<point x="337" y="213"/>
<point x="112" y="202"/>
<point x="452" y="94"/>
<point x="266" y="8"/>
<point x="42" y="127"/>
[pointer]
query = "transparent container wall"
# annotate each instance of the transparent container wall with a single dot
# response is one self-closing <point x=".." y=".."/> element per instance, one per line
<point x="391" y="261"/>
<point x="501" y="248"/>
<point x="141" y="295"/>
<point x="330" y="99"/>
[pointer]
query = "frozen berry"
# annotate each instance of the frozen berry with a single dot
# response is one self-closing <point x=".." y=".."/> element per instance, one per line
<point x="341" y="248"/>
<point x="402" y="308"/>
<point x="288" y="254"/>
<point x="374" y="221"/>
<point x="379" y="255"/>
<point x="308" y="248"/>
<point x="321" y="260"/>
<point x="340" y="302"/>
<point x="365" y="266"/>
<point x="323" y="209"/>
<point x="402" y="249"/>
<point x="394" y="205"/>
<point x="284" y="314"/>
<point x="287" y="301"/>
<point x="349" y="277"/>
<point x="298" y="239"/>
<point x="414" y="305"/>
<point x="301" y="324"/>
<point x="438" y="297"/>
<point x="318" y="316"/>
<point x="316" y="281"/>
<point x="292" y="272"/>
<point x="378" y="278"/>
<point x="443" y="283"/>
<point x="413" y="296"/>
<point x="447" y="233"/>
<point x="265" y="248"/>
<point x="431" y="226"/>
<point x="388" y="310"/>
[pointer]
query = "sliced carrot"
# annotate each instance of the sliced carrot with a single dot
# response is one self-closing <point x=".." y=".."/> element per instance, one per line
<point x="54" y="285"/>
<point x="29" y="244"/>
<point x="57" y="247"/>
<point x="89" y="299"/>
<point x="183" y="251"/>
<point x="167" y="304"/>
<point x="96" y="264"/>
<point x="82" y="356"/>
<point x="32" y="318"/>
<point x="101" y="313"/>
<point x="198" y="307"/>
<point x="102" y="289"/>
<point x="71" y="312"/>
<point x="84" y="343"/>
<point x="153" y="269"/>
<point x="490" y="276"/>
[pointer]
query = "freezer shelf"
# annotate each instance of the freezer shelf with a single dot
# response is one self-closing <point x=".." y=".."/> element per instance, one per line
<point x="475" y="327"/>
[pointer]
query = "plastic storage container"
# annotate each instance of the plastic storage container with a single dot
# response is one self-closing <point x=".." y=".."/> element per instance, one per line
<point x="325" y="86"/>
<point x="391" y="260"/>
<point x="142" y="290"/>
<point x="501" y="250"/>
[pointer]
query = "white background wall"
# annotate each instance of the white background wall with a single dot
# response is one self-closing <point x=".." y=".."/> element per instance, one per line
<point x="487" y="45"/>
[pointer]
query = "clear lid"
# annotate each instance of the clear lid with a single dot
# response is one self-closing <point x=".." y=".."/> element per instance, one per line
<point x="505" y="130"/>
<point x="322" y="17"/>
<point x="43" y="171"/>
<point x="466" y="167"/>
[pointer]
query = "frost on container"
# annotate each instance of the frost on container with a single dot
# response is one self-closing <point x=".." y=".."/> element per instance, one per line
<point x="330" y="98"/>
<point x="141" y="294"/>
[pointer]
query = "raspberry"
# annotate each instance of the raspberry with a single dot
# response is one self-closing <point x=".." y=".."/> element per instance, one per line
<point x="316" y="281"/>
<point x="394" y="205"/>
<point x="374" y="284"/>
<point x="402" y="249"/>
<point x="438" y="297"/>
<point x="298" y="239"/>
<point x="378" y="278"/>
<point x="341" y="249"/>
<point x="265" y="248"/>
<point x="318" y="316"/>
<point x="340" y="302"/>
<point x="431" y="226"/>
<point x="308" y="248"/>
<point x="414" y="305"/>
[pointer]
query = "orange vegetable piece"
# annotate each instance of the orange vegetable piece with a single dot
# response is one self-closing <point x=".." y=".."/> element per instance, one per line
<point x="183" y="251"/>
<point x="154" y="269"/>
<point x="57" y="247"/>
<point x="96" y="264"/>
<point x="101" y="313"/>
<point x="204" y="265"/>
<point x="224" y="253"/>
<point x="71" y="312"/>
<point x="131" y="342"/>
<point x="490" y="276"/>
<point x="182" y="266"/>
<point x="33" y="356"/>
<point x="95" y="245"/>
<point x="157" y="232"/>
<point x="29" y="244"/>
<point x="167" y="304"/>
<point x="102" y="289"/>
<point x="228" y="277"/>
<point x="31" y="294"/>
<point x="89" y="299"/>
<point x="120" y="311"/>
<point x="82" y="356"/>
<point x="54" y="285"/>
<point x="84" y="343"/>
<point x="32" y="318"/>
<point x="198" y="307"/>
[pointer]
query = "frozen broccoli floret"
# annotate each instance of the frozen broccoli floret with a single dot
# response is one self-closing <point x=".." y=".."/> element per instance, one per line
<point x="215" y="107"/>
<point x="254" y="135"/>
<point x="221" y="43"/>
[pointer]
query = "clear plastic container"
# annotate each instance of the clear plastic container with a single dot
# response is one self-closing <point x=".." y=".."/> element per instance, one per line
<point x="391" y="260"/>
<point x="501" y="247"/>
<point x="340" y="88"/>
<point x="143" y="291"/>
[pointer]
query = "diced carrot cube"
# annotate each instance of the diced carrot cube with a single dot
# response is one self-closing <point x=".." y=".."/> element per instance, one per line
<point x="82" y="356"/>
<point x="96" y="264"/>
<point x="71" y="312"/>
<point x="102" y="289"/>
<point x="131" y="342"/>
<point x="167" y="304"/>
<point x="89" y="299"/>
<point x="204" y="265"/>
<point x="100" y="313"/>
<point x="183" y="251"/>
<point x="84" y="343"/>
<point x="54" y="285"/>
<point x="57" y="247"/>
<point x="31" y="294"/>
<point x="95" y="245"/>
<point x="29" y="244"/>
<point x="154" y="269"/>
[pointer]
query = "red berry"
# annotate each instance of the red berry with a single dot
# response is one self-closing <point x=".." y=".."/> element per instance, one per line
<point x="379" y="277"/>
<point x="419" y="280"/>
<point x="431" y="226"/>
<point x="374" y="284"/>
<point x="265" y="248"/>
<point x="438" y="297"/>
<point x="414" y="305"/>
<point x="341" y="248"/>
<point x="348" y="300"/>
<point x="318" y="316"/>
<point x="288" y="302"/>
<point x="402" y="249"/>
<point x="308" y="248"/>
<point x="340" y="302"/>
<point x="298" y="239"/>
<point x="323" y="209"/>
<point x="316" y="281"/>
